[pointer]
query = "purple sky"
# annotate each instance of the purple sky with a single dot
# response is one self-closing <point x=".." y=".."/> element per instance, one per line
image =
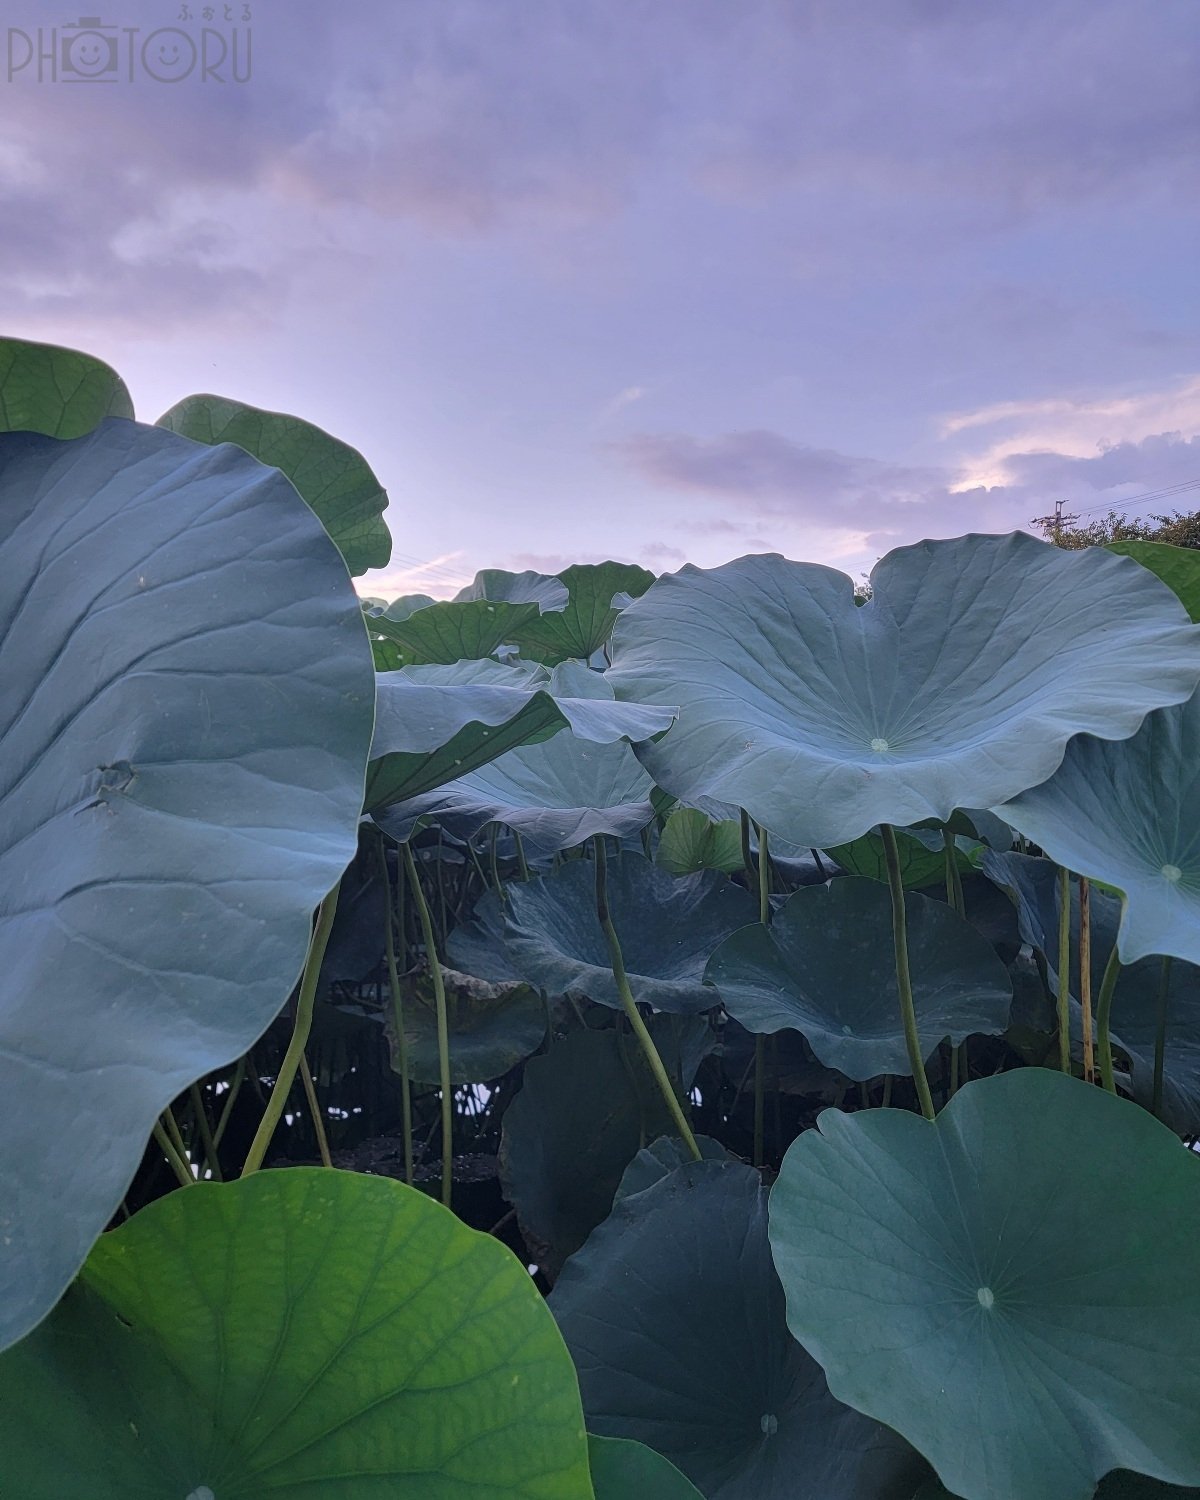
<point x="664" y="280"/>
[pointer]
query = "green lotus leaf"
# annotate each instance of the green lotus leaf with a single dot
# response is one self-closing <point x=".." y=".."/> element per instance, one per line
<point x="333" y="477"/>
<point x="826" y="967"/>
<point x="583" y="1112"/>
<point x="958" y="684"/>
<point x="625" y="1470"/>
<point x="691" y="842"/>
<point x="58" y="392"/>
<point x="1178" y="567"/>
<point x="980" y="1264"/>
<point x="921" y="863"/>
<point x="675" y="1318"/>
<point x="498" y="585"/>
<point x="597" y="594"/>
<point x="555" y="794"/>
<point x="441" y="633"/>
<point x="667" y="928"/>
<point x="298" y="1333"/>
<point x="1128" y="814"/>
<point x="1033" y="883"/>
<point x="185" y="715"/>
<point x="435" y="724"/>
<point x="492" y="1027"/>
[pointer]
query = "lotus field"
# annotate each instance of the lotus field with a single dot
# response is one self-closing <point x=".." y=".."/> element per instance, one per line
<point x="599" y="1036"/>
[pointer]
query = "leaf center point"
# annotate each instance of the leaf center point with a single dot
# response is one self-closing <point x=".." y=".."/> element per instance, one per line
<point x="880" y="745"/>
<point x="987" y="1298"/>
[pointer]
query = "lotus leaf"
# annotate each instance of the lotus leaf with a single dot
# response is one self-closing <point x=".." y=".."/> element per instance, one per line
<point x="675" y="1318"/>
<point x="185" y="715"/>
<point x="299" y="1333"/>
<point x="492" y="1027"/>
<point x="625" y="1470"/>
<point x="1178" y="567"/>
<point x="921" y="863"/>
<point x="958" y="684"/>
<point x="667" y="928"/>
<point x="542" y="589"/>
<point x="58" y="392"/>
<point x="1030" y="1255"/>
<point x="597" y="594"/>
<point x="826" y="967"/>
<point x="691" y="842"/>
<point x="333" y="477"/>
<point x="420" y="632"/>
<point x="1128" y="814"/>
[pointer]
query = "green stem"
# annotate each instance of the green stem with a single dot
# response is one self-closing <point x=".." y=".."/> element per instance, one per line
<point x="760" y="1065"/>
<point x="443" y="1024"/>
<point x="903" y="978"/>
<point x="522" y="863"/>
<point x="314" y="1108"/>
<point x="629" y="1005"/>
<point x="954" y="890"/>
<point x="178" y="1165"/>
<point x="887" y="1091"/>
<point x="398" y="1009"/>
<point x="1104" y="1019"/>
<point x="1085" y="976"/>
<point x="493" y="839"/>
<point x="1064" y="970"/>
<point x="206" y="1135"/>
<point x="174" y="1132"/>
<point x="235" y="1085"/>
<point x="1160" y="1036"/>
<point x="305" y="1004"/>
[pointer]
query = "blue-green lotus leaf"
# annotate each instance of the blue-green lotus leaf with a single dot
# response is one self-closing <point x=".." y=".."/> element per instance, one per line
<point x="300" y="1333"/>
<point x="625" y="1470"/>
<point x="498" y="585"/>
<point x="491" y="1027"/>
<point x="661" y="1157"/>
<point x="1033" y="884"/>
<point x="1128" y="813"/>
<point x="675" y="1317"/>
<point x="667" y="928"/>
<point x="958" y="684"/>
<point x="435" y="724"/>
<point x="59" y="392"/>
<point x="585" y="1107"/>
<point x="476" y="946"/>
<point x="826" y="967"/>
<point x="1120" y="1485"/>
<point x="333" y="477"/>
<point x="554" y="794"/>
<point x="185" y="714"/>
<point x="1178" y="567"/>
<point x="1014" y="1287"/>
<point x="597" y="592"/>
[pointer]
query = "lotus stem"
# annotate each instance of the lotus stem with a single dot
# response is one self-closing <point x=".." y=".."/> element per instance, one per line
<point x="443" y="1025"/>
<point x="305" y="1003"/>
<point x="314" y="1108"/>
<point x="1085" y="977"/>
<point x="177" y="1163"/>
<point x="908" y="1011"/>
<point x="629" y="1005"/>
<point x="1160" y="1036"/>
<point x="522" y="862"/>
<point x="397" y="1006"/>
<point x="760" y="1055"/>
<point x="954" y="891"/>
<point x="1108" y="984"/>
<point x="1064" y="970"/>
<point x="206" y="1135"/>
<point x="235" y="1088"/>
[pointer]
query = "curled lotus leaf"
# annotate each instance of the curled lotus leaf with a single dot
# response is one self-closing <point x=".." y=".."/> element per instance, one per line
<point x="957" y="684"/>
<point x="59" y="392"/>
<point x="939" y="1270"/>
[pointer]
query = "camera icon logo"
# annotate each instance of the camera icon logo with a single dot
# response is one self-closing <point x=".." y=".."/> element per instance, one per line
<point x="89" y="51"/>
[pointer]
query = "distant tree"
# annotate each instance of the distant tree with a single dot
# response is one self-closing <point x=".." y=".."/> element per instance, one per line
<point x="1181" y="529"/>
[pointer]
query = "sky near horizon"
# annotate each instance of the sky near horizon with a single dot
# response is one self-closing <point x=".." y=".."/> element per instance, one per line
<point x="663" y="280"/>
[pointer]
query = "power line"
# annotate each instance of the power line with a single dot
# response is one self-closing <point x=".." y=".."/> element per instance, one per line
<point x="1149" y="498"/>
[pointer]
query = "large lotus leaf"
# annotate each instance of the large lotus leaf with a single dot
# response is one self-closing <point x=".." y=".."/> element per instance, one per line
<point x="1033" y="883"/>
<point x="498" y="585"/>
<point x="1178" y="567"/>
<point x="675" y="1318"/>
<point x="826" y="967"/>
<point x="185" y="711"/>
<point x="333" y="477"/>
<point x="1129" y="814"/>
<point x="667" y="928"/>
<point x="1029" y="1318"/>
<point x="660" y="1158"/>
<point x="435" y="724"/>
<point x="597" y="594"/>
<point x="1120" y="1485"/>
<point x="58" y="392"/>
<point x="957" y="684"/>
<point x="922" y="863"/>
<point x="299" y="1333"/>
<point x="625" y="1470"/>
<point x="585" y="1109"/>
<point x="690" y="842"/>
<point x="476" y="946"/>
<point x="492" y="1027"/>
<point x="470" y="628"/>
<point x="555" y="794"/>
